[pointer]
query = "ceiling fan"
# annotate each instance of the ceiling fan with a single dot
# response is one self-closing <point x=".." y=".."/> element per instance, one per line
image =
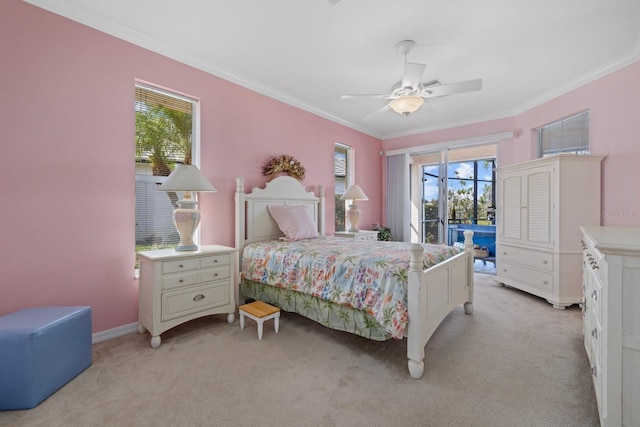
<point x="408" y="95"/>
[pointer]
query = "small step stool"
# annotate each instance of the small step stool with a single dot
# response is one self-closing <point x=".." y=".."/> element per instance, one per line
<point x="260" y="311"/>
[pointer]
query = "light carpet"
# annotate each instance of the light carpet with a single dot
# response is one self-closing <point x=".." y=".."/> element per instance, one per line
<point x="515" y="362"/>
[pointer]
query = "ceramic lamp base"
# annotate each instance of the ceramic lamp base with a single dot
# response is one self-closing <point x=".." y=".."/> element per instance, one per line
<point x="354" y="216"/>
<point x="186" y="218"/>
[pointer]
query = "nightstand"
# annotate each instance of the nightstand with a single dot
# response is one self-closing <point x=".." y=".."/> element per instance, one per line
<point x="178" y="286"/>
<point x="358" y="235"/>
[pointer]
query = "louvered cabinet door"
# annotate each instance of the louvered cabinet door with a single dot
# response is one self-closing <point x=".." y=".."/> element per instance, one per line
<point x="510" y="219"/>
<point x="537" y="209"/>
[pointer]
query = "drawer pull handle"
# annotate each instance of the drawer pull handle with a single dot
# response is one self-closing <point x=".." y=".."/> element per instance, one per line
<point x="198" y="297"/>
<point x="180" y="265"/>
<point x="594" y="295"/>
<point x="594" y="371"/>
<point x="181" y="281"/>
<point x="215" y="274"/>
<point x="594" y="333"/>
<point x="215" y="260"/>
<point x="545" y="262"/>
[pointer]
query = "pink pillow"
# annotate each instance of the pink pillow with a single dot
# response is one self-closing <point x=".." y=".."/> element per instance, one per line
<point x="293" y="221"/>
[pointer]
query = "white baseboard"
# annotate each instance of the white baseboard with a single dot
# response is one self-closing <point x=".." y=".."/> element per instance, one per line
<point x="114" y="333"/>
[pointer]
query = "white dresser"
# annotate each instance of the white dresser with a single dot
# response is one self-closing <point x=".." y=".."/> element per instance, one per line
<point x="178" y="286"/>
<point x="358" y="235"/>
<point x="540" y="204"/>
<point x="611" y="282"/>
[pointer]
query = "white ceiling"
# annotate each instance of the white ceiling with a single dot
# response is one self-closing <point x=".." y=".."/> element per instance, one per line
<point x="310" y="52"/>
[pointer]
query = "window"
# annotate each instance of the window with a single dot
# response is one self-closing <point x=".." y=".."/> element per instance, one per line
<point x="165" y="129"/>
<point x="569" y="135"/>
<point x="343" y="179"/>
<point x="471" y="192"/>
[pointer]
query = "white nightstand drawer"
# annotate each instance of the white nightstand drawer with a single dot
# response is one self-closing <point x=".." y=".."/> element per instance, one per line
<point x="180" y="265"/>
<point x="178" y="280"/>
<point x="180" y="303"/>
<point x="213" y="274"/>
<point x="358" y="235"/>
<point x="213" y="261"/>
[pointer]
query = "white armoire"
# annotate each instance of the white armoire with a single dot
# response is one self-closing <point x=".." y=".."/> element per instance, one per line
<point x="540" y="206"/>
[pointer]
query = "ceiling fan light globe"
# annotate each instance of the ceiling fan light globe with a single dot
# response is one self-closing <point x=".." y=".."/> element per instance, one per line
<point x="406" y="105"/>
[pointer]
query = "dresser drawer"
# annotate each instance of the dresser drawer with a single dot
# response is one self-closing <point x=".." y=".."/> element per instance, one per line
<point x="593" y="298"/>
<point x="537" y="259"/>
<point x="213" y="274"/>
<point x="596" y="375"/>
<point x="592" y="259"/>
<point x="214" y="261"/>
<point x="180" y="265"/>
<point x="180" y="303"/>
<point x="595" y="332"/>
<point x="178" y="280"/>
<point x="530" y="276"/>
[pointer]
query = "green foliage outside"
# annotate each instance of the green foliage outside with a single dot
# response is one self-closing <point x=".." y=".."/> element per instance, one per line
<point x="340" y="213"/>
<point x="461" y="206"/>
<point x="163" y="138"/>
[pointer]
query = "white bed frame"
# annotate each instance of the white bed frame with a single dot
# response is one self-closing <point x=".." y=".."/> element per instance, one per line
<point x="432" y="293"/>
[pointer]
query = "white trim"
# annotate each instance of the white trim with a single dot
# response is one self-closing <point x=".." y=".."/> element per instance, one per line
<point x="114" y="333"/>
<point x="455" y="143"/>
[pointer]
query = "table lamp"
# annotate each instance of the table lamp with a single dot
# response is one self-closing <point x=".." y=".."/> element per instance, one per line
<point x="186" y="216"/>
<point x="354" y="193"/>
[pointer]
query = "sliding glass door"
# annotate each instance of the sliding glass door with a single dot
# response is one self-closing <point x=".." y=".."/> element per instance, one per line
<point x="428" y="197"/>
<point x="449" y="188"/>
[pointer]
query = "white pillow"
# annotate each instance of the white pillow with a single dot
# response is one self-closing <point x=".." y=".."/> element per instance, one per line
<point x="293" y="221"/>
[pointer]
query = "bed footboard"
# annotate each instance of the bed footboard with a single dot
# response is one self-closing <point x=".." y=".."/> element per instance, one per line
<point x="432" y="294"/>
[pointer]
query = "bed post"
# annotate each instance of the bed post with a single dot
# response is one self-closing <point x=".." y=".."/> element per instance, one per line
<point x="415" y="339"/>
<point x="468" y="248"/>
<point x="321" y="211"/>
<point x="240" y="234"/>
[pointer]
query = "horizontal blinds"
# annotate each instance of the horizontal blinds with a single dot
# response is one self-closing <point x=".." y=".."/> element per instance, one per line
<point x="153" y="97"/>
<point x="570" y="135"/>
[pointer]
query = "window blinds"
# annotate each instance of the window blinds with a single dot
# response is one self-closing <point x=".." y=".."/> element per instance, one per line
<point x="570" y="135"/>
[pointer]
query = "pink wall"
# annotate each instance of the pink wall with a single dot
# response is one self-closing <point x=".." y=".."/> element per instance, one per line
<point x="67" y="132"/>
<point x="614" y="133"/>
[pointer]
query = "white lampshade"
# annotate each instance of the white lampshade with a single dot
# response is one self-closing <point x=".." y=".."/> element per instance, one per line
<point x="186" y="217"/>
<point x="354" y="193"/>
<point x="406" y="105"/>
<point x="187" y="178"/>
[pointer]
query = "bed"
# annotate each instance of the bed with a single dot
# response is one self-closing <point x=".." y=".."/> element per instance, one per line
<point x="433" y="281"/>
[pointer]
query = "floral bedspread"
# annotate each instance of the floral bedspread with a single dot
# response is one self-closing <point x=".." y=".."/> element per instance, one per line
<point x="365" y="275"/>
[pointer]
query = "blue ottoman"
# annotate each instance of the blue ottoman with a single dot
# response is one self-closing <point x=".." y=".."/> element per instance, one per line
<point x="41" y="349"/>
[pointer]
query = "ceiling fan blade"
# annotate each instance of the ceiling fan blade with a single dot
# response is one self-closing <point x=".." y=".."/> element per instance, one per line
<point x="364" y="95"/>
<point x="412" y="74"/>
<point x="450" y="89"/>
<point x="377" y="112"/>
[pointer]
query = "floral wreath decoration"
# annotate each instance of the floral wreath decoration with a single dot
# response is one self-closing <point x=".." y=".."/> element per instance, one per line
<point x="283" y="164"/>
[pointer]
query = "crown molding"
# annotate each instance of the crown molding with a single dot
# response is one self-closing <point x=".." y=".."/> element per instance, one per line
<point x="74" y="12"/>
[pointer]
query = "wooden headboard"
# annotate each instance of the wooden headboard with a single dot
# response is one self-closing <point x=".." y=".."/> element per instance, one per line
<point x="253" y="221"/>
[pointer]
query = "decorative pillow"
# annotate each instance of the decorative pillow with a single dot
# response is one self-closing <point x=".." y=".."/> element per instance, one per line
<point x="293" y="221"/>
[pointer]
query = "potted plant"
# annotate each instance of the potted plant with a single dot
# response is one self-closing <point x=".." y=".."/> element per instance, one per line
<point x="384" y="233"/>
